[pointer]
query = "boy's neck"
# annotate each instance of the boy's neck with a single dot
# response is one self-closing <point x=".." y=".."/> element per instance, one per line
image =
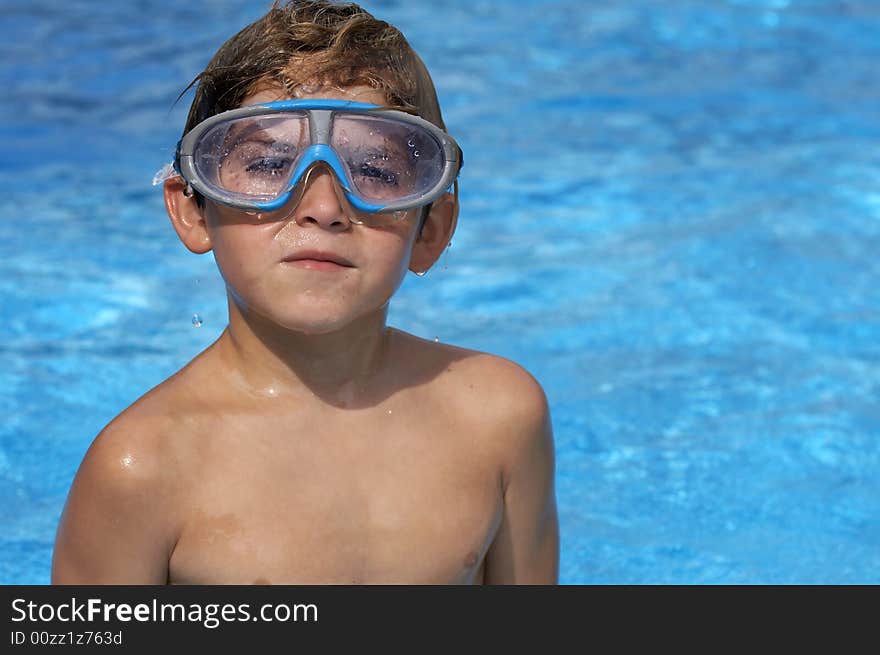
<point x="341" y="368"/>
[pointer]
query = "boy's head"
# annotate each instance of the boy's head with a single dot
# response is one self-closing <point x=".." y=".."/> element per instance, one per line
<point x="302" y="126"/>
<point x="303" y="44"/>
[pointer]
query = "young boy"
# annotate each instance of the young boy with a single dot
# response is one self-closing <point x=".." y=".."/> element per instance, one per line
<point x="311" y="443"/>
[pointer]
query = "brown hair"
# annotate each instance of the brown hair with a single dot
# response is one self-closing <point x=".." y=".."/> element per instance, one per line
<point x="315" y="42"/>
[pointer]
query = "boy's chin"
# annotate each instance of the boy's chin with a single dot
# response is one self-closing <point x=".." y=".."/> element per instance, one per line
<point x="310" y="315"/>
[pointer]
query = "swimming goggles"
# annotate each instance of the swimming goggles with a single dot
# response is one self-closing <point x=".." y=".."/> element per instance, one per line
<point x="253" y="158"/>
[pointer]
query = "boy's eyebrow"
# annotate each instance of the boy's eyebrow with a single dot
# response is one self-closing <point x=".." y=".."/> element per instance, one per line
<point x="270" y="144"/>
<point x="237" y="130"/>
<point x="251" y="130"/>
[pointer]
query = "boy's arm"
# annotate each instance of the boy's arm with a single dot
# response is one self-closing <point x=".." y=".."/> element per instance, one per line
<point x="115" y="528"/>
<point x="526" y="547"/>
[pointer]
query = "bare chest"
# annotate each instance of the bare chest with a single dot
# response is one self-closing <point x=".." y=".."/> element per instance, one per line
<point x="408" y="504"/>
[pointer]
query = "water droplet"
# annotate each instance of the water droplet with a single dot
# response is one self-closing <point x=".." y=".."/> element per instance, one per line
<point x="421" y="273"/>
<point x="197" y="320"/>
<point x="389" y="411"/>
<point x="415" y="153"/>
<point x="436" y="339"/>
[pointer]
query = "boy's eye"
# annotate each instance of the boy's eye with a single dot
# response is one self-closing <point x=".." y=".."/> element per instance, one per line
<point x="268" y="165"/>
<point x="377" y="174"/>
<point x="377" y="168"/>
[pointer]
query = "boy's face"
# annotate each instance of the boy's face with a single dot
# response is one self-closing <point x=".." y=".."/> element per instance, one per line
<point x="307" y="266"/>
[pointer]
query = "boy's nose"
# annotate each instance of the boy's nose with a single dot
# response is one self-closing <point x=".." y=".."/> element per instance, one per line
<point x="321" y="201"/>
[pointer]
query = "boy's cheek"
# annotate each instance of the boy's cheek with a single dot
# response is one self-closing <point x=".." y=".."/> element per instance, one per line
<point x="244" y="243"/>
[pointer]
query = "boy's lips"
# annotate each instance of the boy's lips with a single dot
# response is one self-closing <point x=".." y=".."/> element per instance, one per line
<point x="317" y="259"/>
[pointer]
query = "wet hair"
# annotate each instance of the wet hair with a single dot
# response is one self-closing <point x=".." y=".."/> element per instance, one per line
<point x="300" y="43"/>
<point x="315" y="42"/>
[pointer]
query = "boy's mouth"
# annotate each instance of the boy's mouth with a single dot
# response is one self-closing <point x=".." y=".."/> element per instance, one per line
<point x="317" y="260"/>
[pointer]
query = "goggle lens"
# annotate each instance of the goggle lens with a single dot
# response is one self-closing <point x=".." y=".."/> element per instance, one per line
<point x="252" y="157"/>
<point x="386" y="160"/>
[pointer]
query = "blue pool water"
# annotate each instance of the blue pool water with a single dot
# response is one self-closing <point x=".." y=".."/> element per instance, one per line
<point x="671" y="217"/>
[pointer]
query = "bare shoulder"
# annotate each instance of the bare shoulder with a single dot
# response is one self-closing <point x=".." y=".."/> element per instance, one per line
<point x="512" y="407"/>
<point x="493" y="394"/>
<point x="120" y="520"/>
<point x="502" y="406"/>
<point x="482" y="379"/>
<point x="135" y="450"/>
<point x="143" y="446"/>
<point x="147" y="443"/>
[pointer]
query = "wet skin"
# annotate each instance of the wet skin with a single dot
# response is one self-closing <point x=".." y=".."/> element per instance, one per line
<point x="311" y="443"/>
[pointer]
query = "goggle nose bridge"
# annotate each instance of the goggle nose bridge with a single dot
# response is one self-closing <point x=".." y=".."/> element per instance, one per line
<point x="315" y="154"/>
<point x="318" y="157"/>
<point x="319" y="152"/>
<point x="300" y="184"/>
<point x="320" y="124"/>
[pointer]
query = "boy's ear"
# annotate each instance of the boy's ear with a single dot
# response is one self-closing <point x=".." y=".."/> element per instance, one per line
<point x="436" y="232"/>
<point x="186" y="216"/>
